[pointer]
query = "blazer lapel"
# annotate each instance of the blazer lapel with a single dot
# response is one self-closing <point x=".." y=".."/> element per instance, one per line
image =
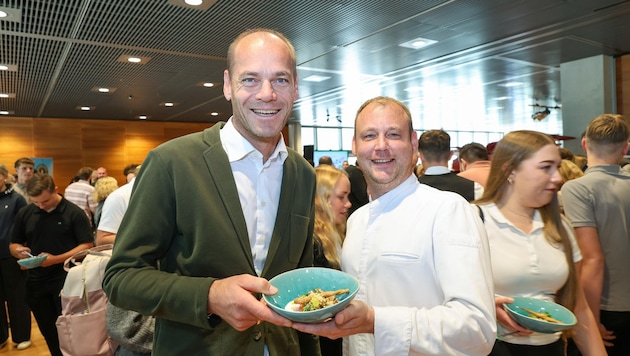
<point x="287" y="194"/>
<point x="221" y="175"/>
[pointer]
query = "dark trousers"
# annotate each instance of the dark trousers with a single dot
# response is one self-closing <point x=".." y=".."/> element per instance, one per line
<point x="506" y="349"/>
<point x="619" y="323"/>
<point x="13" y="291"/>
<point x="45" y="302"/>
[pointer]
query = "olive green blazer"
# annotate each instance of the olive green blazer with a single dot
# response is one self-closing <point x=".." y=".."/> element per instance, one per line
<point x="185" y="214"/>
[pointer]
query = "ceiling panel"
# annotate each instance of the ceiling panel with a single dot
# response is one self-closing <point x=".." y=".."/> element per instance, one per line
<point x="64" y="49"/>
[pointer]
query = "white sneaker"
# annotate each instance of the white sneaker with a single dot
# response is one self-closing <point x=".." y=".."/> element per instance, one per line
<point x="23" y="345"/>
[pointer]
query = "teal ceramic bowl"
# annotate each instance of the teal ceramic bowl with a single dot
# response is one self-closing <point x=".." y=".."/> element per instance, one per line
<point x="32" y="262"/>
<point x="295" y="283"/>
<point x="563" y="315"/>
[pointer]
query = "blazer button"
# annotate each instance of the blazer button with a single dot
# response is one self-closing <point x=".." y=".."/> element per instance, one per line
<point x="257" y="335"/>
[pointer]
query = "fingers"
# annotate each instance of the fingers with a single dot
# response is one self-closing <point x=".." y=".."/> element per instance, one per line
<point x="233" y="300"/>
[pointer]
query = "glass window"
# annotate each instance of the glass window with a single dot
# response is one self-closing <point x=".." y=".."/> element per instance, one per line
<point x="346" y="138"/>
<point x="308" y="136"/>
<point x="328" y="139"/>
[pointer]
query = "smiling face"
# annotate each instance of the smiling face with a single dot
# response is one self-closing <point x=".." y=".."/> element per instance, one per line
<point x="339" y="201"/>
<point x="537" y="178"/>
<point x="384" y="146"/>
<point x="262" y="85"/>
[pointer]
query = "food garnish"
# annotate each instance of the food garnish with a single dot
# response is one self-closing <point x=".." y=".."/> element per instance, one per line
<point x="316" y="299"/>
<point x="543" y="316"/>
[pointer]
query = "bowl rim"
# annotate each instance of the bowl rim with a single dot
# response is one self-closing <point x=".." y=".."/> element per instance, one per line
<point x="34" y="258"/>
<point x="349" y="297"/>
<point x="510" y="308"/>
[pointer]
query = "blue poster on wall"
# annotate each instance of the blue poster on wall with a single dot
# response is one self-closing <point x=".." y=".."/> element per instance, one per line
<point x="44" y="165"/>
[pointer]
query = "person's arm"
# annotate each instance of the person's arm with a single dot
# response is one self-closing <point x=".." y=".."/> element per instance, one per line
<point x="104" y="237"/>
<point x="592" y="276"/>
<point x="592" y="272"/>
<point x="587" y="336"/>
<point x="61" y="258"/>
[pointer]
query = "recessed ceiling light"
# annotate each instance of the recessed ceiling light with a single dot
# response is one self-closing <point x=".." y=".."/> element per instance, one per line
<point x="85" y="108"/>
<point x="104" y="90"/>
<point x="4" y="112"/>
<point x="8" y="67"/>
<point x="133" y="59"/>
<point x="193" y="4"/>
<point x="417" y="43"/>
<point x="142" y="117"/>
<point x="7" y="95"/>
<point x="9" y="14"/>
<point x="214" y="113"/>
<point x="208" y="85"/>
<point x="315" y="78"/>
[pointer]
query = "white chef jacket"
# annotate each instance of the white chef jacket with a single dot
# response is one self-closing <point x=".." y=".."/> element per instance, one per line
<point x="423" y="263"/>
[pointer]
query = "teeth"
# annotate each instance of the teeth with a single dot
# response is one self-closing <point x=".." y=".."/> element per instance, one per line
<point x="382" y="160"/>
<point x="265" y="112"/>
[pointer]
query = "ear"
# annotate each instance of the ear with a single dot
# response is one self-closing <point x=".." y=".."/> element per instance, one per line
<point x="295" y="88"/>
<point x="354" y="146"/>
<point x="227" y="85"/>
<point x="414" y="140"/>
<point x="583" y="144"/>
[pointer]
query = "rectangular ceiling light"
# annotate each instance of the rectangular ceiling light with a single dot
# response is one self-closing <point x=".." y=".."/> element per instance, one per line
<point x="418" y="43"/>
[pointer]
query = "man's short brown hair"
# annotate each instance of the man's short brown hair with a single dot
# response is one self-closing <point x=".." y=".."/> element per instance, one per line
<point x="39" y="183"/>
<point x="24" y="160"/>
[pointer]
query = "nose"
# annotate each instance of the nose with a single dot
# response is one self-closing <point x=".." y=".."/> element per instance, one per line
<point x="381" y="142"/>
<point x="556" y="177"/>
<point x="267" y="92"/>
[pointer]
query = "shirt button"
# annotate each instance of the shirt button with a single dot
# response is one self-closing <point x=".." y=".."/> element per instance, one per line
<point x="257" y="335"/>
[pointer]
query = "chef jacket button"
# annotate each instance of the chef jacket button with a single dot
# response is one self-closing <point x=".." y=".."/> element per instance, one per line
<point x="257" y="335"/>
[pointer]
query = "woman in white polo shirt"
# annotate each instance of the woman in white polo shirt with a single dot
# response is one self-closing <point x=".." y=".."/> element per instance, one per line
<point x="533" y="250"/>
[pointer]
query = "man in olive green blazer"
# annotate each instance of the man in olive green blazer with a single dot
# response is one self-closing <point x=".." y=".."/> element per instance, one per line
<point x="183" y="251"/>
<point x="203" y="242"/>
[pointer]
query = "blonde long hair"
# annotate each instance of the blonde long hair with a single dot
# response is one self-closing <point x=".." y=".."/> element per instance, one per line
<point x="510" y="152"/>
<point x="326" y="231"/>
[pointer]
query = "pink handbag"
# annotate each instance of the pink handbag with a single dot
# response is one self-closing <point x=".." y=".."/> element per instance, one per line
<point x="82" y="323"/>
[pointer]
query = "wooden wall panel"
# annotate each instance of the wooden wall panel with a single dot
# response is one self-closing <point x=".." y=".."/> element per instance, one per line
<point x="622" y="69"/>
<point x="74" y="143"/>
<point x="16" y="140"/>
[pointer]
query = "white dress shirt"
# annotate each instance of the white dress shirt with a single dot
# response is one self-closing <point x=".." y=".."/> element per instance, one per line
<point x="258" y="184"/>
<point x="423" y="264"/>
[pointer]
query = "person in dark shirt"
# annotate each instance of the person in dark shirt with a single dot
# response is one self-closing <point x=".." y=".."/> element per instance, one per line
<point x="55" y="227"/>
<point x="434" y="148"/>
<point x="12" y="278"/>
<point x="358" y="188"/>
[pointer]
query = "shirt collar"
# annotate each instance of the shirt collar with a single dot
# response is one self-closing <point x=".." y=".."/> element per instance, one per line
<point x="237" y="147"/>
<point x="435" y="170"/>
<point x="498" y="216"/>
